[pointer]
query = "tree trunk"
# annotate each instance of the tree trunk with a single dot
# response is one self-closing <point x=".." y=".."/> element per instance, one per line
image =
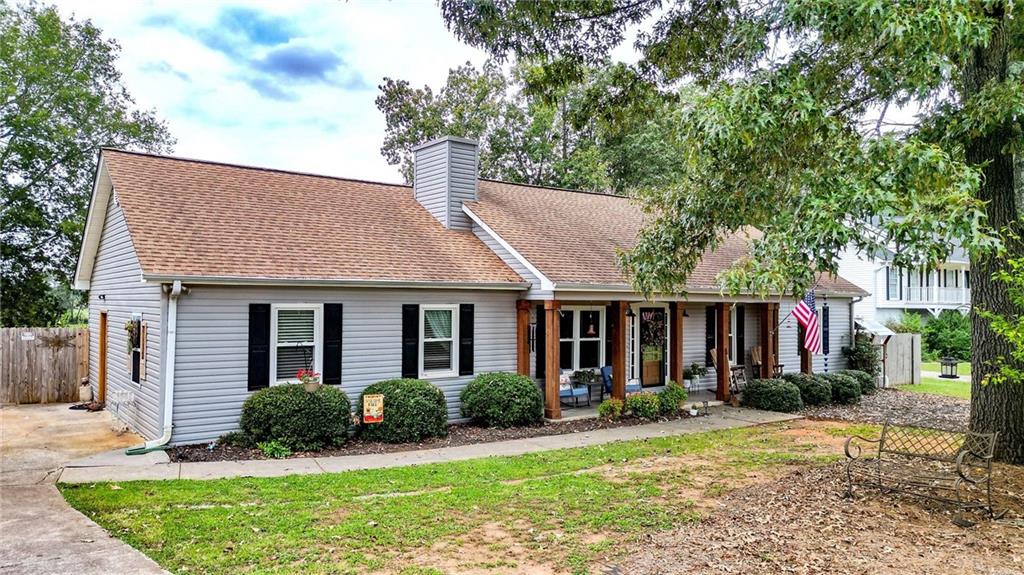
<point x="998" y="407"/>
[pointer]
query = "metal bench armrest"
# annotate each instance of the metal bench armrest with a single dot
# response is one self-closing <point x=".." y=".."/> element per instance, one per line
<point x="964" y="466"/>
<point x="849" y="443"/>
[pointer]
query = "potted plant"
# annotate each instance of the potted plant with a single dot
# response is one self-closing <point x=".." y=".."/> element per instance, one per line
<point x="693" y="410"/>
<point x="696" y="371"/>
<point x="310" y="379"/>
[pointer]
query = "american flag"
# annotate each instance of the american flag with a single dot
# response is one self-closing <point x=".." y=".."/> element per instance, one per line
<point x="807" y="315"/>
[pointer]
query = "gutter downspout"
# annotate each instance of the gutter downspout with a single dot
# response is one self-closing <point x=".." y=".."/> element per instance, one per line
<point x="172" y="323"/>
<point x="853" y="319"/>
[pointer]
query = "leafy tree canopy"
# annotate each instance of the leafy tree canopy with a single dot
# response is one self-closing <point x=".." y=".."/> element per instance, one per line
<point x="61" y="97"/>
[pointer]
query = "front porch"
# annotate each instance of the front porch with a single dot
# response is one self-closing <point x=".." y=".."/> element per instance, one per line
<point x="697" y="398"/>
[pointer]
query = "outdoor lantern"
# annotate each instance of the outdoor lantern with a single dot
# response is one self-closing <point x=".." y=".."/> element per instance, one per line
<point x="948" y="366"/>
<point x="630" y="313"/>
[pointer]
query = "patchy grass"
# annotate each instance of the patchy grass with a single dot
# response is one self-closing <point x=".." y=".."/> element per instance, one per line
<point x="962" y="368"/>
<point x="558" y="511"/>
<point x="959" y="388"/>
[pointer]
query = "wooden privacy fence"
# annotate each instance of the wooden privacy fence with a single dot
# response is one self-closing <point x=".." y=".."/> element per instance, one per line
<point x="902" y="363"/>
<point x="42" y="364"/>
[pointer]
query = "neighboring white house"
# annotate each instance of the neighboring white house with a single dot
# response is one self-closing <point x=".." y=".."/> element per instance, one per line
<point x="895" y="291"/>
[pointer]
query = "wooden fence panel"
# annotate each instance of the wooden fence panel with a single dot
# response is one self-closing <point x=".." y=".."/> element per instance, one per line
<point x="903" y="359"/>
<point x="42" y="365"/>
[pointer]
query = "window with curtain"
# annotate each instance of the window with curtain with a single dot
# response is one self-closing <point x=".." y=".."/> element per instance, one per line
<point x="296" y="341"/>
<point x="438" y="349"/>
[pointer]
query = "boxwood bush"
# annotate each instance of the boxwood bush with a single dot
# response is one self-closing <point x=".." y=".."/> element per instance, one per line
<point x="610" y="409"/>
<point x="865" y="379"/>
<point x="295" y="418"/>
<point x="772" y="395"/>
<point x="845" y="389"/>
<point x="644" y="405"/>
<point x="813" y="390"/>
<point x="671" y="398"/>
<point x="502" y="400"/>
<point x="413" y="410"/>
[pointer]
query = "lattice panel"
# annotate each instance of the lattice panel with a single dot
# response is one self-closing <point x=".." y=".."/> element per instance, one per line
<point x="944" y="445"/>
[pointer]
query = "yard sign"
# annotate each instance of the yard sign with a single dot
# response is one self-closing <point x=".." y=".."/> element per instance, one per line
<point x="373" y="408"/>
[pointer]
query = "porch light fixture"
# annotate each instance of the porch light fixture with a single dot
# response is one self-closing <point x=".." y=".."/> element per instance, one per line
<point x="630" y="313"/>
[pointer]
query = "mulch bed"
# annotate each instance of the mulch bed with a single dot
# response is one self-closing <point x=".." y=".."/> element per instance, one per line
<point x="904" y="408"/>
<point x="460" y="434"/>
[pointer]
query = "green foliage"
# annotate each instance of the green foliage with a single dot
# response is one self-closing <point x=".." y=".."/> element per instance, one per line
<point x="414" y="410"/>
<point x="643" y="405"/>
<point x="671" y="398"/>
<point x="865" y="380"/>
<point x="908" y="323"/>
<point x="235" y="439"/>
<point x="298" y="419"/>
<point x="949" y="335"/>
<point x="863" y="355"/>
<point x="845" y="389"/>
<point x="814" y="390"/>
<point x="274" y="449"/>
<point x="61" y="97"/>
<point x="502" y="400"/>
<point x="1009" y="326"/>
<point x="610" y="409"/>
<point x="772" y="395"/>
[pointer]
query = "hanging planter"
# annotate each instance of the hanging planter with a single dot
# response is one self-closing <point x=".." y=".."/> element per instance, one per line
<point x="132" y="329"/>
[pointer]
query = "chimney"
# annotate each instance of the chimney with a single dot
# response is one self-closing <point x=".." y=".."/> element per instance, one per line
<point x="444" y="176"/>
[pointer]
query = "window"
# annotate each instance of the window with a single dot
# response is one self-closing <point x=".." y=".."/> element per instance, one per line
<point x="967" y="279"/>
<point x="438" y="336"/>
<point x="892" y="283"/>
<point x="296" y="336"/>
<point x="136" y="345"/>
<point x="581" y="344"/>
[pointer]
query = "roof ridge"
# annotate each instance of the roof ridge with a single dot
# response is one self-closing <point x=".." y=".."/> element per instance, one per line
<point x="553" y="189"/>
<point x="249" y="167"/>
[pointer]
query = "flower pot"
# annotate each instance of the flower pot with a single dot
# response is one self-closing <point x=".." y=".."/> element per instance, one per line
<point x="85" y="393"/>
<point x="311" y="387"/>
<point x="693" y="411"/>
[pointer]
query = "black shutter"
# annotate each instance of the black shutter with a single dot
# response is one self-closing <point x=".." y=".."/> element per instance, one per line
<point x="608" y="335"/>
<point x="741" y="336"/>
<point x="709" y="333"/>
<point x="332" y="343"/>
<point x="411" y="340"/>
<point x="466" y="339"/>
<point x="824" y="329"/>
<point x="540" y="338"/>
<point x="888" y="283"/>
<point x="259" y="346"/>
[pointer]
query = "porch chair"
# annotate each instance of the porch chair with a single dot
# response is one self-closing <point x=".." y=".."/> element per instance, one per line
<point x="573" y="391"/>
<point x="755" y="360"/>
<point x="737" y="374"/>
<point x="606" y="375"/>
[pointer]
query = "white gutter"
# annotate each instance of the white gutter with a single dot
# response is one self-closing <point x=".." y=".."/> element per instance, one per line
<point x="168" y="399"/>
<point x="241" y="281"/>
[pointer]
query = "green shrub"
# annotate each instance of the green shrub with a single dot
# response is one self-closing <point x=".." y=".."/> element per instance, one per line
<point x="908" y="323"/>
<point x="863" y="355"/>
<point x="864" y="379"/>
<point x="502" y="400"/>
<point x="235" y="439"/>
<point x="274" y="449"/>
<point x="413" y="410"/>
<point x="298" y="419"/>
<point x="671" y="399"/>
<point x="845" y="389"/>
<point x="610" y="409"/>
<point x="772" y="395"/>
<point x="813" y="390"/>
<point x="948" y="335"/>
<point x="644" y="405"/>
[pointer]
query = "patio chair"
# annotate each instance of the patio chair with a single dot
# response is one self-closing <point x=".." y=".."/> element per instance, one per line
<point x="737" y="374"/>
<point x="755" y="360"/>
<point x="573" y="391"/>
<point x="606" y="375"/>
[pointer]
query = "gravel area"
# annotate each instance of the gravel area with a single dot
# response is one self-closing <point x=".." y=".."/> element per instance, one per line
<point x="905" y="408"/>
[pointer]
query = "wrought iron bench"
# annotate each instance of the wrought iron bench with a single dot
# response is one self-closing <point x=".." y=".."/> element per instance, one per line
<point x="953" y="467"/>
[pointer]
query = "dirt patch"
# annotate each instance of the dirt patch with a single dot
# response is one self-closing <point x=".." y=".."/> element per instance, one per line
<point x="487" y="550"/>
<point x="903" y="408"/>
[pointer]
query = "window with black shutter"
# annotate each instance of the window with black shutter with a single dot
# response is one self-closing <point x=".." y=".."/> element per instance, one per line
<point x="259" y="346"/>
<point x="332" y="343"/>
<point x="466" y="339"/>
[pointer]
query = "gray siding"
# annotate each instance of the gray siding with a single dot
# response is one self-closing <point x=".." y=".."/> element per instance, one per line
<point x="210" y="375"/>
<point x="118" y="277"/>
<point x="444" y="176"/>
<point x="839" y="336"/>
<point x="431" y="181"/>
<point x="462" y="182"/>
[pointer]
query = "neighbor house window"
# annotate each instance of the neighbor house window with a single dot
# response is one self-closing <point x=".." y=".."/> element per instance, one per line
<point x="892" y="284"/>
<point x="581" y="333"/>
<point x="297" y="337"/>
<point x="438" y="334"/>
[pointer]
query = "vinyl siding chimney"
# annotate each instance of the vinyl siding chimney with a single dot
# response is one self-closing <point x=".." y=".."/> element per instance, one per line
<point x="444" y="176"/>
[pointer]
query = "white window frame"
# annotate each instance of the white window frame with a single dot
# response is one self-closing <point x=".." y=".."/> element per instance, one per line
<point x="635" y="355"/>
<point x="577" y="335"/>
<point x="436" y="373"/>
<point x="318" y="338"/>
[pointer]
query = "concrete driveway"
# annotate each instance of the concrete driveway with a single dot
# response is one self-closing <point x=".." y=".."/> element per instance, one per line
<point x="41" y="533"/>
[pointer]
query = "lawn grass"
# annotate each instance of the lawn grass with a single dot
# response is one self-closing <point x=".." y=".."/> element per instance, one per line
<point x="962" y="368"/>
<point x="959" y="388"/>
<point x="564" y="508"/>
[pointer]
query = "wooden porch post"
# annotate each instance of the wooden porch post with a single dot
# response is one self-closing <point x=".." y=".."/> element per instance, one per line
<point x="722" y="347"/>
<point x="552" y="407"/>
<point x="676" y="353"/>
<point x="775" y="332"/>
<point x="806" y="365"/>
<point x="766" y="340"/>
<point x="523" y="337"/>
<point x="618" y="310"/>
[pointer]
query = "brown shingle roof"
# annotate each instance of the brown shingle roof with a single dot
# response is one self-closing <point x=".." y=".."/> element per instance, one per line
<point x="572" y="237"/>
<point x="200" y="219"/>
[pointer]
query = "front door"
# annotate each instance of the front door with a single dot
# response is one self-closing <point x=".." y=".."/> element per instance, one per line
<point x="652" y="346"/>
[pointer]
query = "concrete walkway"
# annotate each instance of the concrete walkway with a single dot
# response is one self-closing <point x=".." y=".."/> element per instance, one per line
<point x="115" y="466"/>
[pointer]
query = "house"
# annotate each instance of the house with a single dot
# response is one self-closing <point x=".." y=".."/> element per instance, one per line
<point x="209" y="281"/>
<point x="895" y="291"/>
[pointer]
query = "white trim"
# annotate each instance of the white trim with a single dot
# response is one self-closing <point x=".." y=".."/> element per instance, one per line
<point x="318" y="337"/>
<point x="545" y="283"/>
<point x="102" y="190"/>
<point x="454" y="371"/>
<point x="577" y="337"/>
<point x="635" y="358"/>
<point x="226" y="280"/>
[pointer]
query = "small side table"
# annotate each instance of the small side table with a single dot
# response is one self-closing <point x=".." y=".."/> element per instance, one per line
<point x="600" y="387"/>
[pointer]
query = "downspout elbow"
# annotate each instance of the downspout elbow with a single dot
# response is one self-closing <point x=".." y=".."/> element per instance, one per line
<point x="168" y="398"/>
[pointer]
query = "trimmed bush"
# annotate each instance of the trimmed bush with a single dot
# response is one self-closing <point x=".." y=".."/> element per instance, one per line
<point x="644" y="405"/>
<point x="863" y="355"/>
<point x="845" y="389"/>
<point x="813" y="390"/>
<point x="671" y="398"/>
<point x="866" y="380"/>
<point x="502" y="400"/>
<point x="297" y="419"/>
<point x="772" y="395"/>
<point x="610" y="409"/>
<point x="414" y="410"/>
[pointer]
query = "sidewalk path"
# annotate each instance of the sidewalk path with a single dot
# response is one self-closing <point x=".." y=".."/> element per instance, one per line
<point x="119" y="467"/>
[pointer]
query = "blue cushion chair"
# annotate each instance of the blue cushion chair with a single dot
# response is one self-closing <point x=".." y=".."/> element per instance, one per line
<point x="575" y="393"/>
<point x="606" y="375"/>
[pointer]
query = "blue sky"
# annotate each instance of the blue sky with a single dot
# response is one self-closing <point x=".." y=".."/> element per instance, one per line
<point x="288" y="84"/>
